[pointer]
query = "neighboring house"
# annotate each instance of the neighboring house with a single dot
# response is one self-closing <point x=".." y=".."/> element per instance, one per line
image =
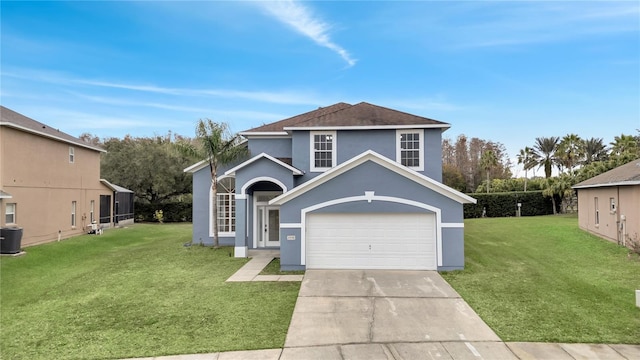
<point x="341" y="187"/>
<point x="609" y="204"/>
<point x="49" y="181"/>
<point x="122" y="205"/>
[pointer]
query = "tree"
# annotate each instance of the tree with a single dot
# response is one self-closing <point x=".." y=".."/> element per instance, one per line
<point x="545" y="152"/>
<point x="452" y="177"/>
<point x="216" y="144"/>
<point x="624" y="148"/>
<point x="561" y="186"/>
<point x="527" y="158"/>
<point x="487" y="162"/>
<point x="593" y="150"/>
<point x="569" y="152"/>
<point x="147" y="166"/>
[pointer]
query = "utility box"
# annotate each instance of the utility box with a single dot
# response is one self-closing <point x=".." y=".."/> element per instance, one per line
<point x="10" y="240"/>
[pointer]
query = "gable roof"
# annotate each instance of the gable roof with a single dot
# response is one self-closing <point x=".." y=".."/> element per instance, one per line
<point x="370" y="155"/>
<point x="627" y="174"/>
<point x="18" y="121"/>
<point x="346" y="116"/>
<point x="233" y="170"/>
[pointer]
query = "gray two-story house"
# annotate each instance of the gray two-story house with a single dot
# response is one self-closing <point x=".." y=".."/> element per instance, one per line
<point x="340" y="187"/>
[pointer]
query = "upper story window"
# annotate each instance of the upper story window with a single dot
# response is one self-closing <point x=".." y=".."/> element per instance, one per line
<point x="71" y="154"/>
<point x="10" y="213"/>
<point x="323" y="150"/>
<point x="410" y="148"/>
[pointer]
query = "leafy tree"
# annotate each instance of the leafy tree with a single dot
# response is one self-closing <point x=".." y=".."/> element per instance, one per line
<point x="545" y="151"/>
<point x="147" y="166"/>
<point x="452" y="177"/>
<point x="560" y="186"/>
<point x="487" y="162"/>
<point x="216" y="144"/>
<point x="594" y="149"/>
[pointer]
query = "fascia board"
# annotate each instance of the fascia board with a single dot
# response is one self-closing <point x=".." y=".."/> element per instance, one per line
<point x="76" y="143"/>
<point x="378" y="127"/>
<point x="233" y="170"/>
<point x="619" y="183"/>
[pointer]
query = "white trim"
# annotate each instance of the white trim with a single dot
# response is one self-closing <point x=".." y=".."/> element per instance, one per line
<point x="264" y="133"/>
<point x="312" y="150"/>
<point x="421" y="157"/>
<point x="368" y="127"/>
<point x="369" y="196"/>
<point x="240" y="251"/>
<point x="243" y="190"/>
<point x="619" y="183"/>
<point x="382" y="161"/>
<point x="72" y="155"/>
<point x="197" y="166"/>
<point x="78" y="143"/>
<point x="241" y="196"/>
<point x="233" y="170"/>
<point x="452" y="225"/>
<point x="290" y="225"/>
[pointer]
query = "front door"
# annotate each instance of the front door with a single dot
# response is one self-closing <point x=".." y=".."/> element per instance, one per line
<point x="268" y="226"/>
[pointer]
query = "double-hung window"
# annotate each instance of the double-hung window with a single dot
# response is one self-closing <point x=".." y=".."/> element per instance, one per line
<point x="410" y="148"/>
<point x="323" y="150"/>
<point x="73" y="214"/>
<point x="72" y="155"/>
<point x="10" y="213"/>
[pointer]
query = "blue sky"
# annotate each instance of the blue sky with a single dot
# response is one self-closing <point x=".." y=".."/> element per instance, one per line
<point x="502" y="71"/>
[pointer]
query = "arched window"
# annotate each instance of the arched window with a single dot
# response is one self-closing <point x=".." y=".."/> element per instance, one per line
<point x="226" y="206"/>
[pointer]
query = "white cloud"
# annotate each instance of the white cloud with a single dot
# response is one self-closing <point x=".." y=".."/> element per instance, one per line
<point x="301" y="19"/>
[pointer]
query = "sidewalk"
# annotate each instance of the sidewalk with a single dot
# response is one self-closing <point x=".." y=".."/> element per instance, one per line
<point x="259" y="260"/>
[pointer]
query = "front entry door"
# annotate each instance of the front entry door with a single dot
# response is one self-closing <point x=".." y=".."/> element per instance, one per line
<point x="268" y="226"/>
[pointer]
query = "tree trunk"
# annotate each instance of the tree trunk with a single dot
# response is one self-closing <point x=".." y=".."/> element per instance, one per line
<point x="487" y="181"/>
<point x="525" y="181"/>
<point x="553" y="201"/>
<point x="214" y="190"/>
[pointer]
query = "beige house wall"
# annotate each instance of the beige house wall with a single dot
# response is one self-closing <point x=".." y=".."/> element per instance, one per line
<point x="43" y="183"/>
<point x="626" y="200"/>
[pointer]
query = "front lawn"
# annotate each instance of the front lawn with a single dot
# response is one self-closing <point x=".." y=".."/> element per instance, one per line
<point x="135" y="292"/>
<point x="544" y="279"/>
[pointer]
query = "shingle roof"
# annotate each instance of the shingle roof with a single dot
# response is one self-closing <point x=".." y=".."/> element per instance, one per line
<point x="114" y="187"/>
<point x="627" y="174"/>
<point x="342" y="115"/>
<point x="16" y="120"/>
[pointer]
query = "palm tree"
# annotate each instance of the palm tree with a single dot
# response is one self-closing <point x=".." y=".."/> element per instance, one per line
<point x="569" y="151"/>
<point x="215" y="143"/>
<point x="545" y="152"/>
<point x="594" y="150"/>
<point x="527" y="159"/>
<point x="488" y="160"/>
<point x="624" y="148"/>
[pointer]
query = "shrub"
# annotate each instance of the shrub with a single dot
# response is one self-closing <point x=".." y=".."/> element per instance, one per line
<point x="506" y="204"/>
<point x="171" y="211"/>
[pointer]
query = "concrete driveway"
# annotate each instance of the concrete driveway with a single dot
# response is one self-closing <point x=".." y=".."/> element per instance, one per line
<point x="386" y="314"/>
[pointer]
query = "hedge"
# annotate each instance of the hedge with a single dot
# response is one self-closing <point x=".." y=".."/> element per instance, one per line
<point x="172" y="211"/>
<point x="506" y="204"/>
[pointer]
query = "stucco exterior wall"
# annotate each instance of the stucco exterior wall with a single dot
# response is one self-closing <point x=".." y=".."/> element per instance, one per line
<point x="43" y="183"/>
<point x="626" y="199"/>
<point x="383" y="182"/>
<point x="276" y="147"/>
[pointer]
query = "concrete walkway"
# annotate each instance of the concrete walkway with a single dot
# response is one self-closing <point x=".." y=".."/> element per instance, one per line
<point x="259" y="260"/>
<point x="389" y="315"/>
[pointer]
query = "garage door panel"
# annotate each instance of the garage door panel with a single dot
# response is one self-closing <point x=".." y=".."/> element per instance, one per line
<point x="370" y="241"/>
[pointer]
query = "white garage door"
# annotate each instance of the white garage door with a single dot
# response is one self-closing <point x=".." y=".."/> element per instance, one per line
<point x="371" y="241"/>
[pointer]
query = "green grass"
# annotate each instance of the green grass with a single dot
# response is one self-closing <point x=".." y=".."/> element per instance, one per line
<point x="544" y="279"/>
<point x="135" y="292"/>
<point x="274" y="269"/>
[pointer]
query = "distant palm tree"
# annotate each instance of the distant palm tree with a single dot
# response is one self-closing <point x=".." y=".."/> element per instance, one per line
<point x="526" y="157"/>
<point x="545" y="153"/>
<point x="625" y="148"/>
<point x="569" y="151"/>
<point x="488" y="161"/>
<point x="594" y="150"/>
